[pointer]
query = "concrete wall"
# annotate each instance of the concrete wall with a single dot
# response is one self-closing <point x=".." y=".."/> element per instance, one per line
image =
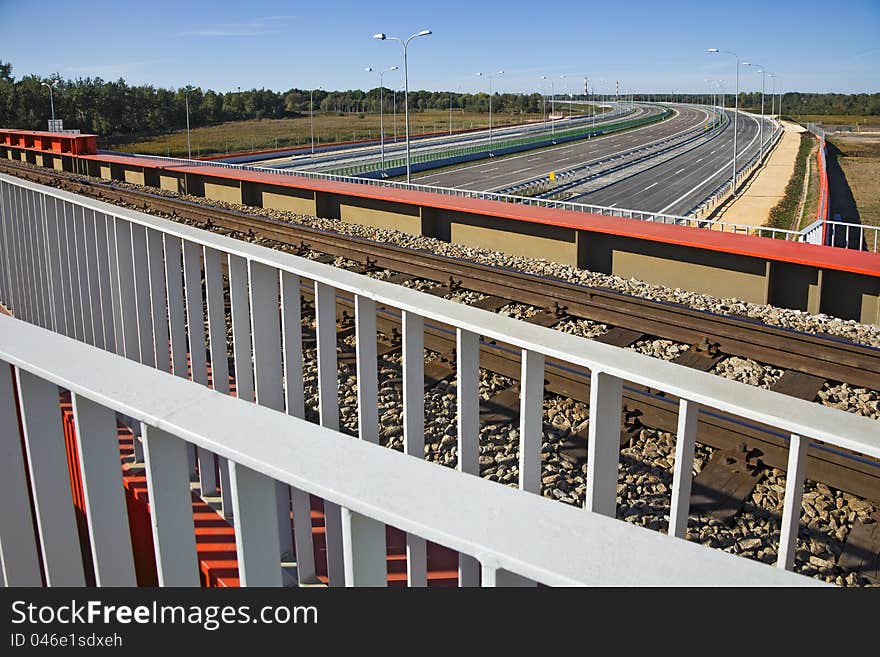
<point x="280" y="198"/>
<point x="705" y="272"/>
<point x="371" y="212"/>
<point x="172" y="182"/>
<point x="134" y="175"/>
<point x="514" y="237"/>
<point x="221" y="189"/>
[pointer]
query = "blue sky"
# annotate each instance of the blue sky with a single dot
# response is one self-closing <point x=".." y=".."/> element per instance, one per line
<point x="648" y="45"/>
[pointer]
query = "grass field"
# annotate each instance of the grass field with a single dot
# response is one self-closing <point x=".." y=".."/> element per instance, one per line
<point x="839" y="119"/>
<point x="274" y="133"/>
<point x="860" y="160"/>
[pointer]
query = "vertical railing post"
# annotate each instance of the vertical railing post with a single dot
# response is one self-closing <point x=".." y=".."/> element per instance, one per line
<point x="328" y="410"/>
<point x="688" y="414"/>
<point x="294" y="402"/>
<point x="50" y="480"/>
<point x="142" y="289"/>
<point x="531" y="420"/>
<point x="98" y="447"/>
<point x="791" y="509"/>
<point x="158" y="300"/>
<point x="256" y="527"/>
<point x="219" y="360"/>
<point x="20" y="558"/>
<point x="170" y="508"/>
<point x="467" y="358"/>
<point x="125" y="289"/>
<point x="414" y="428"/>
<point x="104" y="293"/>
<point x="265" y="333"/>
<point x="195" y="327"/>
<point x="604" y="443"/>
<point x="53" y="255"/>
<point x="363" y="539"/>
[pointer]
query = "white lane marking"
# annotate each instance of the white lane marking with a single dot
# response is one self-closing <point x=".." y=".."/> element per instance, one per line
<point x="678" y="172"/>
<point x="650" y="186"/>
<point x="700" y="160"/>
<point x="612" y="205"/>
<point x="696" y="187"/>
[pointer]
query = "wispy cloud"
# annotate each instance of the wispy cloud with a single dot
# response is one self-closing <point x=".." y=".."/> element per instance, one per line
<point x="112" y="70"/>
<point x="250" y="28"/>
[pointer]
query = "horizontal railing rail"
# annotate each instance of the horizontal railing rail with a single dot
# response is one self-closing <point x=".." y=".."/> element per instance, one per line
<point x="131" y="283"/>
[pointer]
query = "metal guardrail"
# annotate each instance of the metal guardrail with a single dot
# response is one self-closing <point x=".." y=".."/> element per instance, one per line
<point x="131" y="284"/>
<point x="502" y="145"/>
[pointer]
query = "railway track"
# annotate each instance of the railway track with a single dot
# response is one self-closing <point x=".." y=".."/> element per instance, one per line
<point x="807" y="360"/>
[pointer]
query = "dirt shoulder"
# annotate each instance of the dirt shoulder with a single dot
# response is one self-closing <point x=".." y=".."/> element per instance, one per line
<point x="767" y="186"/>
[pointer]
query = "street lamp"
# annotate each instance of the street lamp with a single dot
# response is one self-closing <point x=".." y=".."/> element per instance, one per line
<point x="186" y="91"/>
<point x="773" y="95"/>
<point x="544" y="105"/>
<point x="735" y="110"/>
<point x="383" y="37"/>
<point x="312" y="117"/>
<point x="761" y="125"/>
<point x="491" y="76"/>
<point x="568" y="88"/>
<point x="381" y="113"/>
<point x="552" y="95"/>
<point x="51" y="100"/>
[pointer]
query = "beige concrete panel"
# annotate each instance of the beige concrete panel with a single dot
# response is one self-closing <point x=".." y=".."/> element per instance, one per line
<point x="220" y="189"/>
<point x="381" y="214"/>
<point x="870" y="309"/>
<point x="515" y="237"/>
<point x="691" y="276"/>
<point x="105" y="172"/>
<point x="283" y="198"/>
<point x="171" y="182"/>
<point x="133" y="175"/>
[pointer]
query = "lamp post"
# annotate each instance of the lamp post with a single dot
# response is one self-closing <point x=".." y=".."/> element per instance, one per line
<point x="186" y="91"/>
<point x="735" y="110"/>
<point x="552" y="94"/>
<point x="394" y="111"/>
<point x="382" y="37"/>
<point x="381" y="114"/>
<point x="312" y="117"/>
<point x="773" y="95"/>
<point x="544" y="105"/>
<point x="491" y="76"/>
<point x="568" y="89"/>
<point x="51" y="99"/>
<point x="761" y="125"/>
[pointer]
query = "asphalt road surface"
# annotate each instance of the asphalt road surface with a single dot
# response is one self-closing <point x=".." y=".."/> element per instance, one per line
<point x="495" y="174"/>
<point x="328" y="160"/>
<point x="677" y="186"/>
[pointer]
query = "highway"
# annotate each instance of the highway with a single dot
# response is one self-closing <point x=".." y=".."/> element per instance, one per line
<point x="328" y="160"/>
<point x="501" y="173"/>
<point x="677" y="186"/>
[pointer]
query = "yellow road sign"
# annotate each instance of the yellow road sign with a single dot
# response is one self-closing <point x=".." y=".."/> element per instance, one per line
<point x="552" y="176"/>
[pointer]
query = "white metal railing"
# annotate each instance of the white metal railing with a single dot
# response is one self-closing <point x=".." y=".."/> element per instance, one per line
<point x="131" y="284"/>
<point x="511" y="534"/>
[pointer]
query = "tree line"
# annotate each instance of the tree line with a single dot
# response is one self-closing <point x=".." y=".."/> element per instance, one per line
<point x="110" y="108"/>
